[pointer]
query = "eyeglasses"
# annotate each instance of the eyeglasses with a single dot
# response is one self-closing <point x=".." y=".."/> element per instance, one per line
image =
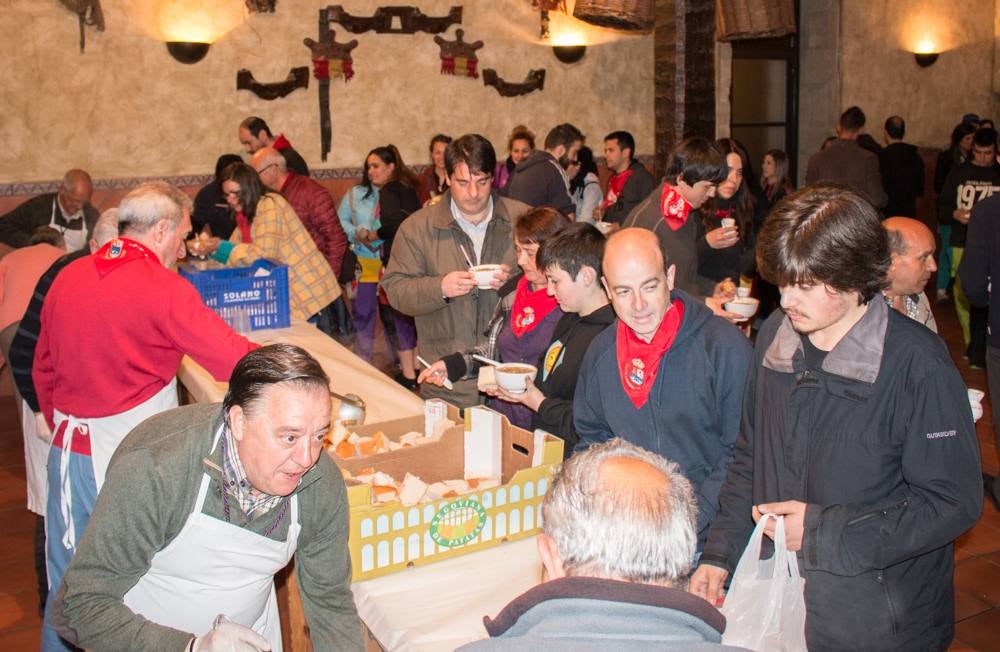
<point x="264" y="169"/>
<point x="231" y="193"/>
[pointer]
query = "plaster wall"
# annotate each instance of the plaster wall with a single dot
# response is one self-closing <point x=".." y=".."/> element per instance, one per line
<point x="126" y="109"/>
<point x="880" y="75"/>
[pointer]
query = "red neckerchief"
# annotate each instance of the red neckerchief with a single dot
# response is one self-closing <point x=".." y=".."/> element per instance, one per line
<point x="530" y="307"/>
<point x="674" y="207"/>
<point x="615" y="186"/>
<point x="244" y="224"/>
<point x="639" y="361"/>
<point x="723" y="213"/>
<point x="119" y="252"/>
<point x="281" y="143"/>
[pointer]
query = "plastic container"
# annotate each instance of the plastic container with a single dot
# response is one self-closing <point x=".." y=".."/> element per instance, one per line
<point x="247" y="298"/>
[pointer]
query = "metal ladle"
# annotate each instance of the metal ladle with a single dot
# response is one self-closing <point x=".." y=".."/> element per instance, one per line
<point x="352" y="408"/>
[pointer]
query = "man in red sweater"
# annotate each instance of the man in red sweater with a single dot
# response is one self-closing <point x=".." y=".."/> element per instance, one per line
<point x="318" y="213"/>
<point x="114" y="328"/>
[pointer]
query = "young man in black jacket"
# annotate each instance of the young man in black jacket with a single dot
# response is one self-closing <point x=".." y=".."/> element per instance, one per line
<point x="856" y="428"/>
<point x="572" y="263"/>
<point x="630" y="181"/>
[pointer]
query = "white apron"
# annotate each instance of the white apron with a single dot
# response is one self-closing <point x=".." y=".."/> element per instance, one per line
<point x="213" y="567"/>
<point x="73" y="239"/>
<point x="105" y="434"/>
<point x="36" y="455"/>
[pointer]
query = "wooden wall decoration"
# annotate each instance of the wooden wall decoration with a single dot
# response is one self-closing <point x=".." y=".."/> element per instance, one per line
<point x="88" y="12"/>
<point x="459" y="57"/>
<point x="297" y="78"/>
<point x="330" y="59"/>
<point x="535" y="81"/>
<point x="261" y="6"/>
<point x="411" y="20"/>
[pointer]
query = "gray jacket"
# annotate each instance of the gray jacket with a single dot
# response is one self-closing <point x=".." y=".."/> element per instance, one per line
<point x="427" y="247"/>
<point x="586" y="613"/>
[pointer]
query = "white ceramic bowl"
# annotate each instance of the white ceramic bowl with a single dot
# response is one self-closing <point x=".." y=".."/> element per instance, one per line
<point x="510" y="377"/>
<point x="743" y="306"/>
<point x="484" y="274"/>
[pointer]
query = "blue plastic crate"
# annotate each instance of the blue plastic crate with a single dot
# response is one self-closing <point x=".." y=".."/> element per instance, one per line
<point x="234" y="290"/>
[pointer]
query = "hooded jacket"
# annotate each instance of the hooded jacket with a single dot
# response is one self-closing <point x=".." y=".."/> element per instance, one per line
<point x="880" y="445"/>
<point x="539" y="180"/>
<point x="692" y="416"/>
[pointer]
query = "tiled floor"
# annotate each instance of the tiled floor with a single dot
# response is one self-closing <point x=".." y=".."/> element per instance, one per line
<point x="977" y="554"/>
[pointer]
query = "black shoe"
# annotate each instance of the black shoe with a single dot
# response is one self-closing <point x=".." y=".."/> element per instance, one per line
<point x="408" y="383"/>
<point x="990" y="490"/>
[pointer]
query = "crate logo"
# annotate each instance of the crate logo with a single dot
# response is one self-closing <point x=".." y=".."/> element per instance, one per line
<point x="458" y="523"/>
<point x="240" y="296"/>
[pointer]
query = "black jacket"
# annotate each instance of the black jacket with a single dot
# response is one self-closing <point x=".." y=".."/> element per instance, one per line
<point x="559" y="368"/>
<point x="396" y="202"/>
<point x="967" y="184"/>
<point x="981" y="261"/>
<point x="902" y="172"/>
<point x="17" y="226"/>
<point x="881" y="446"/>
<point x="640" y="183"/>
<point x="539" y="180"/>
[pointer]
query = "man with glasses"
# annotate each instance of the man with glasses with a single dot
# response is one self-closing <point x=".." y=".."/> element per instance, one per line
<point x="315" y="208"/>
<point x="67" y="211"/>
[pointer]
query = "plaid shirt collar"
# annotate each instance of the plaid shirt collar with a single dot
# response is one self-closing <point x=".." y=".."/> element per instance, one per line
<point x="236" y="483"/>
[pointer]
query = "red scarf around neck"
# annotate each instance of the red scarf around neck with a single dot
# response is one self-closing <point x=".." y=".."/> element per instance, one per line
<point x="243" y="223"/>
<point x="615" y="186"/>
<point x="674" y="207"/>
<point x="638" y="360"/>
<point x="530" y="307"/>
<point x="119" y="252"/>
<point x="281" y="143"/>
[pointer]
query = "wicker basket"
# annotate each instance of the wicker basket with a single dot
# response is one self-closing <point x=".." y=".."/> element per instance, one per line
<point x="749" y="19"/>
<point x="626" y="15"/>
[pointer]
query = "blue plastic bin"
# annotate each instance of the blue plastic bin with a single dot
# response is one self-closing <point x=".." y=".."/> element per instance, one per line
<point x="235" y="292"/>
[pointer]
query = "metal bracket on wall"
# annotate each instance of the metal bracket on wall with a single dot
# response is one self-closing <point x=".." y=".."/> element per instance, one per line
<point x="535" y="81"/>
<point x="297" y="78"/>
<point x="88" y="12"/>
<point x="394" y="20"/>
<point x="261" y="6"/>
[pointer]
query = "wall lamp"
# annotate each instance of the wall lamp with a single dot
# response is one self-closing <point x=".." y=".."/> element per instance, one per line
<point x="569" y="53"/>
<point x="925" y="59"/>
<point x="187" y="51"/>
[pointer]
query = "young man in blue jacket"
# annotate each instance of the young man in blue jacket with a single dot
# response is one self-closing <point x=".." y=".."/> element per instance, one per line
<point x="667" y="376"/>
<point x="857" y="429"/>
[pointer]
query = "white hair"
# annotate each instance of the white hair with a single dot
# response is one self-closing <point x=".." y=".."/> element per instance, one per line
<point x="149" y="203"/>
<point x="106" y="227"/>
<point x="624" y="530"/>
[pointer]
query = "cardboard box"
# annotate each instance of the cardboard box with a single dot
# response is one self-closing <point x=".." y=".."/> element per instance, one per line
<point x="390" y="537"/>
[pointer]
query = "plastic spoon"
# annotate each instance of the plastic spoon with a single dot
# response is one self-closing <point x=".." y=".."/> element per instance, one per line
<point x="447" y="383"/>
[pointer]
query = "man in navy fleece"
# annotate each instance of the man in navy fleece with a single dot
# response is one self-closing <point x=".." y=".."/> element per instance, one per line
<point x="667" y="376"/>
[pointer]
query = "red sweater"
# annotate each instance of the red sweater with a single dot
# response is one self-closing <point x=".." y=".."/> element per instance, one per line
<point x="114" y="329"/>
<point x="314" y="206"/>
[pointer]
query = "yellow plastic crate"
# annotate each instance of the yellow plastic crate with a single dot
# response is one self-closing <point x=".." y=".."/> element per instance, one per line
<point x="391" y="537"/>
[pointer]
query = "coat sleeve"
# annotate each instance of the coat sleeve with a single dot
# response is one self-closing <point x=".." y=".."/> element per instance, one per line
<point x="730" y="529"/>
<point x="328" y="225"/>
<point x="411" y="290"/>
<point x="940" y="495"/>
<point x="394" y="207"/>
<point x="323" y="569"/>
<point x="874" y="178"/>
<point x="732" y="360"/>
<point x="975" y="269"/>
<point x="16" y="226"/>
<point x="267" y="235"/>
<point x="588" y="408"/>
<point x="129" y="525"/>
<point x="948" y="199"/>
<point x="43" y="372"/>
<point x="556" y="416"/>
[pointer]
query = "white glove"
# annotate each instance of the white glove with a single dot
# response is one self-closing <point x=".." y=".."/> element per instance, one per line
<point x="227" y="636"/>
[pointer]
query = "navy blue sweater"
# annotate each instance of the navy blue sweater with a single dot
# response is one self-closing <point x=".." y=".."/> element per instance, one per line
<point x="692" y="416"/>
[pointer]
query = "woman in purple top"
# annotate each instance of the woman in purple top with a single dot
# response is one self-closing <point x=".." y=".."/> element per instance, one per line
<point x="524" y="319"/>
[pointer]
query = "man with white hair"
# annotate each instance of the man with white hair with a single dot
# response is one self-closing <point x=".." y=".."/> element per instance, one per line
<point x="617" y="542"/>
<point x="92" y="396"/>
<point x="68" y="211"/>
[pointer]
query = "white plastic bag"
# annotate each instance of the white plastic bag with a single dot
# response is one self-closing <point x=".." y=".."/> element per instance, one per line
<point x="765" y="609"/>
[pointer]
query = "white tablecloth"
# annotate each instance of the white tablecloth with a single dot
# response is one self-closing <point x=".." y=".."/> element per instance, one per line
<point x="348" y="373"/>
<point x="441" y="606"/>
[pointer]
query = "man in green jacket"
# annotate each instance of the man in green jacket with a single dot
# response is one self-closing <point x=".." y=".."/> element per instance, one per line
<point x="202" y="506"/>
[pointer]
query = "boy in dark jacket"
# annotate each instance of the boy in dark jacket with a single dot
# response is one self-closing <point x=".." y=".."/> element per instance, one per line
<point x="667" y="376"/>
<point x="856" y="428"/>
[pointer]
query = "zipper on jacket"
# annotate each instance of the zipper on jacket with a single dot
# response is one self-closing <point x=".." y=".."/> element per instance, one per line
<point x="882" y="512"/>
<point x="880" y="578"/>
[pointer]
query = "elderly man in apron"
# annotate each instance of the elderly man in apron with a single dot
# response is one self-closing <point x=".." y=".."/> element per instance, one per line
<point x="115" y="326"/>
<point x="202" y="507"/>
